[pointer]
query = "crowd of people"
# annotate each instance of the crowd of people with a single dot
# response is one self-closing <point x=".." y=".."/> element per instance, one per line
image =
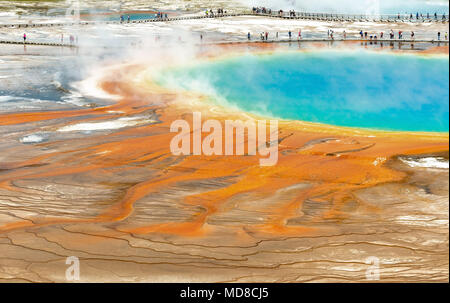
<point x="264" y="36"/>
<point x="261" y="10"/>
<point x="422" y="16"/>
<point x="219" y="12"/>
<point x="364" y="35"/>
<point x="268" y="11"/>
<point x="290" y="13"/>
<point x="160" y="15"/>
<point x="367" y="36"/>
<point x="293" y="13"/>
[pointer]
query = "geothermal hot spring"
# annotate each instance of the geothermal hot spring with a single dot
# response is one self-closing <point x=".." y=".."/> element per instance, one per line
<point x="362" y="89"/>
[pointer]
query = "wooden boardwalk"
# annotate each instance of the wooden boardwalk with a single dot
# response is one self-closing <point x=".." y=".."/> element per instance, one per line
<point x="299" y="16"/>
<point x="432" y="41"/>
<point x="84" y="23"/>
<point x="37" y="43"/>
<point x="355" y="18"/>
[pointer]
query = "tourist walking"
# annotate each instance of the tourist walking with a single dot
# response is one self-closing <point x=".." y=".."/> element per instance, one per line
<point x="24" y="38"/>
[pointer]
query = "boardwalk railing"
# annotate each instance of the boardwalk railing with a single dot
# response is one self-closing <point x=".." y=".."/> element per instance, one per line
<point x="284" y="15"/>
<point x="37" y="43"/>
<point x="357" y="17"/>
<point x="71" y="23"/>
<point x="282" y="40"/>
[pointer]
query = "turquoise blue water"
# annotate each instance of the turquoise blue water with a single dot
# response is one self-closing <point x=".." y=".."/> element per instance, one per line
<point x="116" y="16"/>
<point x="357" y="89"/>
